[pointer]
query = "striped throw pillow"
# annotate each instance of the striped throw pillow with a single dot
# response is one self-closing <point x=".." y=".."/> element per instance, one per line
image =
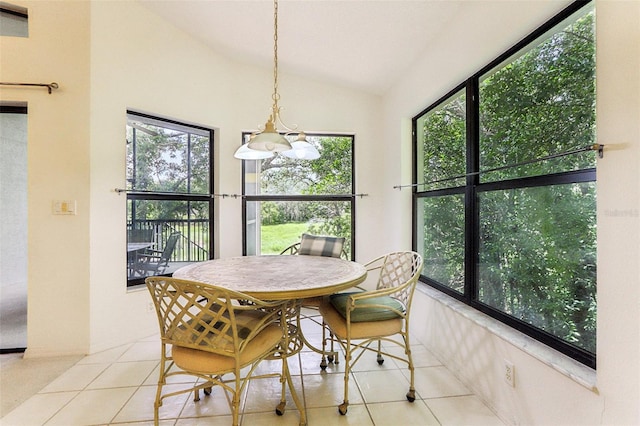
<point x="314" y="245"/>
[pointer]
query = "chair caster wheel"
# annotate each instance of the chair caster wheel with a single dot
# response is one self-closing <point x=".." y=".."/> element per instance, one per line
<point x="323" y="364"/>
<point x="380" y="359"/>
<point x="411" y="396"/>
<point x="330" y="358"/>
<point x="280" y="409"/>
<point x="342" y="408"/>
<point x="207" y="391"/>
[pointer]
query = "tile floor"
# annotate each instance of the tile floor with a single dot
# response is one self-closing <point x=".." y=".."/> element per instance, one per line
<point x="118" y="387"/>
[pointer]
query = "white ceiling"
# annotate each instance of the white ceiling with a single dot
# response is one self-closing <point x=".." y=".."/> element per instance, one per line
<point x="366" y="44"/>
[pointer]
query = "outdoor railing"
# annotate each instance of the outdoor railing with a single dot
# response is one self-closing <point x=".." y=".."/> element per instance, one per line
<point x="193" y="242"/>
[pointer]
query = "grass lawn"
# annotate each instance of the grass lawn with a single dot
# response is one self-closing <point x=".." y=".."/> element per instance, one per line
<point x="276" y="238"/>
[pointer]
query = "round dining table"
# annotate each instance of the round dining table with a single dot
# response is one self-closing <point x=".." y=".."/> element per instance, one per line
<point x="280" y="277"/>
<point x="275" y="277"/>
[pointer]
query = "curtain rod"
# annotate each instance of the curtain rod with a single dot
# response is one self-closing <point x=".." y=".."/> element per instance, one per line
<point x="128" y="191"/>
<point x="594" y="147"/>
<point x="49" y="86"/>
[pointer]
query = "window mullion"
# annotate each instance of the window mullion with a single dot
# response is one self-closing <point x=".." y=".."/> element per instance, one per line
<point x="471" y="211"/>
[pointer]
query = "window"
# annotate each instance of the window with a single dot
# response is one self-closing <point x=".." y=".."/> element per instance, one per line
<point x="283" y="197"/>
<point x="14" y="20"/>
<point x="169" y="195"/>
<point x="505" y="190"/>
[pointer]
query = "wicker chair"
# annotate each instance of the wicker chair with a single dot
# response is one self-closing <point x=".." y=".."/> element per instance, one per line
<point x="213" y="338"/>
<point x="361" y="319"/>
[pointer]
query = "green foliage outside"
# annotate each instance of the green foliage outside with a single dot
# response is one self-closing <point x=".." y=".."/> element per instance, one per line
<point x="276" y="238"/>
<point x="537" y="254"/>
<point x="331" y="174"/>
<point x="167" y="161"/>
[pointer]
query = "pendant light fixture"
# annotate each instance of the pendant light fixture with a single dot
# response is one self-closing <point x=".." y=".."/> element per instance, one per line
<point x="265" y="143"/>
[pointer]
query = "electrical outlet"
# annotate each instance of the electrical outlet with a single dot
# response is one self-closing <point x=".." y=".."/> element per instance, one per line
<point x="509" y="373"/>
<point x="150" y="307"/>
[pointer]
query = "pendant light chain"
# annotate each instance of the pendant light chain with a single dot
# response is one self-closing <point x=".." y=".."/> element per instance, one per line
<point x="268" y="141"/>
<point x="276" y="95"/>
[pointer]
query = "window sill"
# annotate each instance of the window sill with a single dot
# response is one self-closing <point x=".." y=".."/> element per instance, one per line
<point x="136" y="288"/>
<point x="564" y="365"/>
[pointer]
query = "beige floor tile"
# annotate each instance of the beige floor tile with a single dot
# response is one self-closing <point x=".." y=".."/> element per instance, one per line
<point x="140" y="406"/>
<point x="422" y="357"/>
<point x="357" y="415"/>
<point x="436" y="382"/>
<point x="215" y="404"/>
<point x="382" y="386"/>
<point x="275" y="366"/>
<point x="38" y="409"/>
<point x="463" y="410"/>
<point x="152" y="338"/>
<point x="263" y="395"/>
<point x="332" y="367"/>
<point x="369" y="362"/>
<point x="119" y="386"/>
<point x="141" y="351"/>
<point x="77" y="377"/>
<point x="123" y="374"/>
<point x="291" y="417"/>
<point x="26" y="377"/>
<point x="402" y="413"/>
<point x="327" y="390"/>
<point x="205" y="421"/>
<point x="152" y="379"/>
<point x="311" y="363"/>
<point x="150" y="423"/>
<point x="92" y="407"/>
<point x="107" y="356"/>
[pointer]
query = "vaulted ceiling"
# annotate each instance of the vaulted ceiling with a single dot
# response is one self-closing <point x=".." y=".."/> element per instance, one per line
<point x="366" y="44"/>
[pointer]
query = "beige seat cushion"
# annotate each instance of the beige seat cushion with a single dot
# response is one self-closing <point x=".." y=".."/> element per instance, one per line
<point x="359" y="330"/>
<point x="210" y="363"/>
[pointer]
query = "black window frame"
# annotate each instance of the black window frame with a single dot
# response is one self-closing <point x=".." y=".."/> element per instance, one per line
<point x="474" y="186"/>
<point x="351" y="198"/>
<point x="133" y="195"/>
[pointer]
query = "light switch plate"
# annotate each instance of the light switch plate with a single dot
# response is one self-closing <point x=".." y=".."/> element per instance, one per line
<point x="66" y="207"/>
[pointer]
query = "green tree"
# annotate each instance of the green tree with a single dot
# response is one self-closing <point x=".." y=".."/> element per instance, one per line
<point x="537" y="254"/>
<point x="331" y="174"/>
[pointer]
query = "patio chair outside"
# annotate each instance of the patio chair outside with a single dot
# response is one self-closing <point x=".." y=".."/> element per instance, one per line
<point x="155" y="262"/>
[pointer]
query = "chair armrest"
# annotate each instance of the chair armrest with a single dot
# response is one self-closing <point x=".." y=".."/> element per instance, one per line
<point x="145" y="257"/>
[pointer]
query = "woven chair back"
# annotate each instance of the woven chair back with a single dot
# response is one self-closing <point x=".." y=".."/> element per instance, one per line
<point x="398" y="269"/>
<point x="208" y="317"/>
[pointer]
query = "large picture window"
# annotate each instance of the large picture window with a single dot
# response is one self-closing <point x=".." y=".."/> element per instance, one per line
<point x="169" y="195"/>
<point x="284" y="198"/>
<point x="505" y="189"/>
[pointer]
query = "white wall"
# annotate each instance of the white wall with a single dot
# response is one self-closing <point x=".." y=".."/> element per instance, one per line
<point x="140" y="62"/>
<point x="542" y="395"/>
<point x="108" y="57"/>
<point x="57" y="49"/>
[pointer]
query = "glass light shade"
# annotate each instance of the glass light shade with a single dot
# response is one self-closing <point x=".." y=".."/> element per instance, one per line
<point x="302" y="150"/>
<point x="269" y="140"/>
<point x="246" y="153"/>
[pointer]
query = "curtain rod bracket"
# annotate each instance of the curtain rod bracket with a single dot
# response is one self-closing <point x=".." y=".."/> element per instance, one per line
<point x="600" y="148"/>
<point x="227" y="195"/>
